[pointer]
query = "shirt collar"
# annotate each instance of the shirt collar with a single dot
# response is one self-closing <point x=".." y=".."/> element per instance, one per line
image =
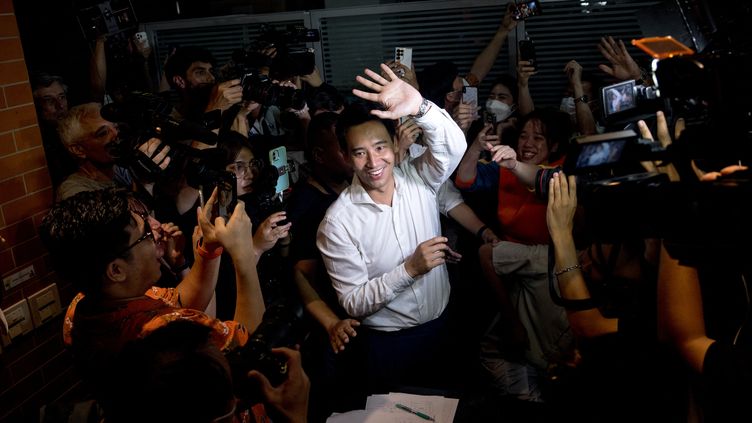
<point x="358" y="194"/>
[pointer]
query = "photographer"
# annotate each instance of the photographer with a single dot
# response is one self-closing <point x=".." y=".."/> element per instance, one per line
<point x="103" y="242"/>
<point x="190" y="71"/>
<point x="180" y="365"/>
<point x="89" y="139"/>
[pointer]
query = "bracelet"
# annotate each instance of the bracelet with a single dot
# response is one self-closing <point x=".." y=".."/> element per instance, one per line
<point x="568" y="269"/>
<point x="206" y="254"/>
<point x="479" y="234"/>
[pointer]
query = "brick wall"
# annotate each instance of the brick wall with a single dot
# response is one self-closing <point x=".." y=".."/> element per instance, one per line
<point x="34" y="368"/>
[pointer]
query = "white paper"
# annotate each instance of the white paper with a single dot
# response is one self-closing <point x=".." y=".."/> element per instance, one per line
<point x="383" y="409"/>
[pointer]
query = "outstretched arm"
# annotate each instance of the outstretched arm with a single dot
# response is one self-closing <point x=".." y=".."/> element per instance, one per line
<point x="485" y="60"/>
<point x="680" y="316"/>
<point x="562" y="203"/>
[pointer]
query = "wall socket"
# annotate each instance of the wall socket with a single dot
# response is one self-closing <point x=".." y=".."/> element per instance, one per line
<point x="44" y="304"/>
<point x="19" y="319"/>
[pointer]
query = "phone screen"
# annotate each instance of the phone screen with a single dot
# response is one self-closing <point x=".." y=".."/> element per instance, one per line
<point x="227" y="195"/>
<point x="278" y="159"/>
<point x="526" y="9"/>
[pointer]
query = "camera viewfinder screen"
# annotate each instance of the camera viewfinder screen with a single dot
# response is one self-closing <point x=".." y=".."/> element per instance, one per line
<point x="600" y="153"/>
<point x="619" y="97"/>
<point x="527" y="9"/>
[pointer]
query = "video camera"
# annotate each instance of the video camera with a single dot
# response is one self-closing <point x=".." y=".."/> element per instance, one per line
<point x="293" y="58"/>
<point x="143" y="116"/>
<point x="247" y="64"/>
<point x="282" y="326"/>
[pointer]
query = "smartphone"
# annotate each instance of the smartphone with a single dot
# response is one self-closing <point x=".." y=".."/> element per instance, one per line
<point x="526" y="9"/>
<point x="141" y="39"/>
<point x="404" y="55"/>
<point x="489" y="117"/>
<point x="527" y="52"/>
<point x="227" y="195"/>
<point x="278" y="159"/>
<point x="470" y="96"/>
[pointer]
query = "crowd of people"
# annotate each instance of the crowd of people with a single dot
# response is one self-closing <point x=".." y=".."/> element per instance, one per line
<point x="424" y="247"/>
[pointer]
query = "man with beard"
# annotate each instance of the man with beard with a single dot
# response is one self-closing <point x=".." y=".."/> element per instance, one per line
<point x="89" y="139"/>
<point x="190" y="72"/>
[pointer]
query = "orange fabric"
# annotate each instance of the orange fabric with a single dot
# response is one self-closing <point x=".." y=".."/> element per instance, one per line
<point x="521" y="213"/>
<point x="141" y="316"/>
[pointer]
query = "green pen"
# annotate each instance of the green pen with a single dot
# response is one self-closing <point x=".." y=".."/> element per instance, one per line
<point x="417" y="413"/>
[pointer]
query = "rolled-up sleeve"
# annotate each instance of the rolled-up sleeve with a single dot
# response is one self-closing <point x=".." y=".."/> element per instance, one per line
<point x="446" y="146"/>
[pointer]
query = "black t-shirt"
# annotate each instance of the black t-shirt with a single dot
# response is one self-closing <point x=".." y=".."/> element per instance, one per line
<point x="727" y="381"/>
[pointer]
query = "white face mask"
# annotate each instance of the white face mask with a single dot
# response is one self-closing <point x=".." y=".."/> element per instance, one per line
<point x="500" y="110"/>
<point x="568" y="106"/>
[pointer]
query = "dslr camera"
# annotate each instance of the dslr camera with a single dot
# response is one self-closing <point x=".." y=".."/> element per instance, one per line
<point x="282" y="326"/>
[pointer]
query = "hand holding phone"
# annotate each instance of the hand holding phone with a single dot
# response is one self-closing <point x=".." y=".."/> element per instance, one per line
<point x="527" y="53"/>
<point x="278" y="159"/>
<point x="470" y="96"/>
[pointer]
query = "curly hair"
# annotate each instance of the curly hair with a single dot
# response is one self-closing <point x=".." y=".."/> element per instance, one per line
<point x="85" y="232"/>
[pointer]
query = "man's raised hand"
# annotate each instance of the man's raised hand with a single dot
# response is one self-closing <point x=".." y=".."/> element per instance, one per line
<point x="395" y="95"/>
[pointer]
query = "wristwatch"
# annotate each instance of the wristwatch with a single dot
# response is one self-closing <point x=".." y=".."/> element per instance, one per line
<point x="583" y="99"/>
<point x="425" y="105"/>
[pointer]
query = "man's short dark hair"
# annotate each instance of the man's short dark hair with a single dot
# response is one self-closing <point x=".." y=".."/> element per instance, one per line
<point x="354" y="115"/>
<point x="181" y="60"/>
<point x="85" y="232"/>
<point x="44" y="80"/>
<point x="320" y="124"/>
<point x="326" y="98"/>
<point x="437" y="80"/>
<point x="172" y="374"/>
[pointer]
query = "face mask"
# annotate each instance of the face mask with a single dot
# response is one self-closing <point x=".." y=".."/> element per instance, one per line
<point x="567" y="106"/>
<point x="500" y="110"/>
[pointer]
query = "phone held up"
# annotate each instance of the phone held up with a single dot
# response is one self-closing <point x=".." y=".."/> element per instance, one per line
<point x="470" y="96"/>
<point x="527" y="52"/>
<point x="404" y="56"/>
<point x="227" y="195"/>
<point x="526" y="9"/>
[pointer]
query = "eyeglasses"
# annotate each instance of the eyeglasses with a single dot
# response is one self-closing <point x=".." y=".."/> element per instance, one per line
<point x="241" y="168"/>
<point x="146" y="235"/>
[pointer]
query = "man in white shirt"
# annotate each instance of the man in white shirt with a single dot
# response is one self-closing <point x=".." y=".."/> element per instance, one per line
<point x="381" y="240"/>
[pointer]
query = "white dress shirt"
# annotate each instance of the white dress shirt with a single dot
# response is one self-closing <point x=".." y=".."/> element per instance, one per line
<point x="365" y="245"/>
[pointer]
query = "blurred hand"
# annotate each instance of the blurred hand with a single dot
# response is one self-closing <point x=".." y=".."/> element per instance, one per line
<point x="525" y="70"/>
<point x="507" y="22"/>
<point x="159" y="157"/>
<point x="268" y="233"/>
<point x="397" y="96"/>
<point x="664" y="139"/>
<point x="340" y="333"/>
<point x="464" y="115"/>
<point x="173" y="241"/>
<point x="504" y="155"/>
<point x="405" y="73"/>
<point x="623" y="67"/>
<point x="430" y="254"/>
<point x="562" y="203"/>
<point x="235" y="234"/>
<point x="313" y="79"/>
<point x="486" y="139"/>
<point x="291" y="397"/>
<point x="574" y="72"/>
<point x="407" y="133"/>
<point x="224" y="95"/>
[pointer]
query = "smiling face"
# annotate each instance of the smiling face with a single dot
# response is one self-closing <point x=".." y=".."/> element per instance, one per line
<point x="371" y="153"/>
<point x="532" y="146"/>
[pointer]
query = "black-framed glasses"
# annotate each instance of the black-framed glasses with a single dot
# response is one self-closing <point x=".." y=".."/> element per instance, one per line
<point x="241" y="168"/>
<point x="146" y="235"/>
